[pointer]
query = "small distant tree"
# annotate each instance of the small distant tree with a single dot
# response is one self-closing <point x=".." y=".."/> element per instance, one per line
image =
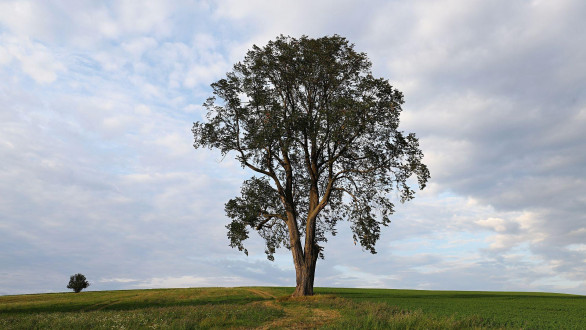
<point x="77" y="283"/>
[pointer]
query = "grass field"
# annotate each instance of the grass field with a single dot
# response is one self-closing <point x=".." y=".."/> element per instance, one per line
<point x="271" y="307"/>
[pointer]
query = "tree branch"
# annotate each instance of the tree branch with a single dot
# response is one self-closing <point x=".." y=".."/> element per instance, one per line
<point x="348" y="192"/>
<point x="268" y="217"/>
<point x="351" y="170"/>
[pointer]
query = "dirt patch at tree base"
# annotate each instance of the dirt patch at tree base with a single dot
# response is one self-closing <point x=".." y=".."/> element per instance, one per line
<point x="299" y="312"/>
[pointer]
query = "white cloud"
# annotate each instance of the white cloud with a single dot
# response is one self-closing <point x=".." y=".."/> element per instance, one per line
<point x="22" y="17"/>
<point x="36" y="60"/>
<point x="194" y="281"/>
<point x="137" y="47"/>
<point x="117" y="280"/>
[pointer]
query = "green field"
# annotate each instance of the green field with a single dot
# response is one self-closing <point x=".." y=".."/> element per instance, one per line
<point x="270" y="307"/>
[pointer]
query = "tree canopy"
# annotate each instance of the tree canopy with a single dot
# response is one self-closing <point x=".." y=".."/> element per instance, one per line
<point x="77" y="282"/>
<point x="322" y="135"/>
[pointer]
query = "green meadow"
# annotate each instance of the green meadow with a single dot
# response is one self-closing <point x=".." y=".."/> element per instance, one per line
<point x="272" y="308"/>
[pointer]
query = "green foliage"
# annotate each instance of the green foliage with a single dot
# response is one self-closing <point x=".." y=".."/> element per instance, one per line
<point x="77" y="283"/>
<point x="308" y="116"/>
<point x="331" y="308"/>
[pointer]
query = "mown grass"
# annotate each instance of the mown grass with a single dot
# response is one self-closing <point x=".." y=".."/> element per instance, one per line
<point x="271" y="307"/>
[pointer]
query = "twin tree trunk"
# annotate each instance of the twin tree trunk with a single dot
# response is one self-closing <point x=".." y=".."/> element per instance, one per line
<point x="305" y="259"/>
<point x="305" y="262"/>
<point x="305" y="275"/>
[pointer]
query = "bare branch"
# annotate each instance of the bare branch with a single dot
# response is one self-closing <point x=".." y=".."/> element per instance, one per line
<point x="348" y="192"/>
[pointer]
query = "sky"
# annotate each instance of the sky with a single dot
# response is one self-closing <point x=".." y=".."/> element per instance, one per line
<point x="98" y="174"/>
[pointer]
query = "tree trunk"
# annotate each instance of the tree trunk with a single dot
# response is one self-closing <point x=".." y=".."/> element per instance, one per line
<point x="305" y="272"/>
<point x="305" y="260"/>
<point x="305" y="276"/>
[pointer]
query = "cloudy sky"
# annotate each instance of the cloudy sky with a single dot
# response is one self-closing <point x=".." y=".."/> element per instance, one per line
<point x="98" y="174"/>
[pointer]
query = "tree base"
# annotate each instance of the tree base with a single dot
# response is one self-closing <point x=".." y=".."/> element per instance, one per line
<point x="302" y="291"/>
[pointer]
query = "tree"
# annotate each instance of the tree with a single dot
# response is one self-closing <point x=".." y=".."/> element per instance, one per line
<point x="308" y="117"/>
<point x="77" y="283"/>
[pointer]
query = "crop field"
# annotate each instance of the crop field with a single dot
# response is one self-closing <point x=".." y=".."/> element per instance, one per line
<point x="272" y="308"/>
